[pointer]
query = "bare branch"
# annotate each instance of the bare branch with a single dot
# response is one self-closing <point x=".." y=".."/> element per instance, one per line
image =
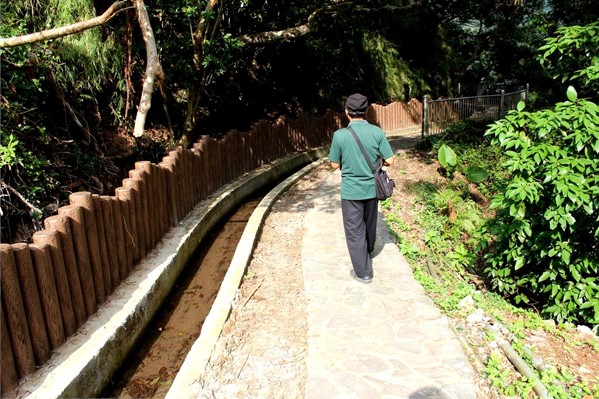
<point x="3" y="185"/>
<point x="64" y="30"/>
<point x="273" y="36"/>
<point x="290" y="33"/>
<point x="333" y="10"/>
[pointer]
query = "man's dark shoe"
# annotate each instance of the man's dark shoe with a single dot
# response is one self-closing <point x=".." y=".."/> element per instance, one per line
<point x="366" y="280"/>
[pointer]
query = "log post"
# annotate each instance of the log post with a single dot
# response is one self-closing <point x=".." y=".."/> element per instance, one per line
<point x="52" y="240"/>
<point x="161" y="197"/>
<point x="86" y="276"/>
<point x="9" y="378"/>
<point x="171" y="189"/>
<point x="179" y="176"/>
<point x="166" y="214"/>
<point x="125" y="196"/>
<point x="32" y="302"/>
<point x="143" y="229"/>
<point x="135" y="216"/>
<point x="62" y="225"/>
<point x="42" y="264"/>
<point x="84" y="200"/>
<point x="145" y="167"/>
<point x="99" y="214"/>
<point x="201" y="170"/>
<point x="119" y="232"/>
<point x="16" y="317"/>
<point x="110" y="227"/>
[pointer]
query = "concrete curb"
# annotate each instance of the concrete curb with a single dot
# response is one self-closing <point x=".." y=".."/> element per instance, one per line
<point x="84" y="366"/>
<point x="186" y="383"/>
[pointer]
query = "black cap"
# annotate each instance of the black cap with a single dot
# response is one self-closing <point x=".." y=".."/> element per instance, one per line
<point x="356" y="103"/>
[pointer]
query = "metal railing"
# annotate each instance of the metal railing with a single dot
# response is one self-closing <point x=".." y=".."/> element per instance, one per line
<point x="439" y="114"/>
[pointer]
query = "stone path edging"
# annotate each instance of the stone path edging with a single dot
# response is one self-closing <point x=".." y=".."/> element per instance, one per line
<point x="186" y="381"/>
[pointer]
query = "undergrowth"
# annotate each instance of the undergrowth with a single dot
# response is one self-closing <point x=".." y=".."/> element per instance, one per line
<point x="442" y="252"/>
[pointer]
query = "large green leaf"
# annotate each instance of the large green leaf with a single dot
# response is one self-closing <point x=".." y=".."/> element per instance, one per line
<point x="571" y="94"/>
<point x="476" y="174"/>
<point x="447" y="156"/>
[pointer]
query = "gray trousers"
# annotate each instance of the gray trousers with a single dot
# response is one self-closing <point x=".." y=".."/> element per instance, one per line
<point x="359" y="222"/>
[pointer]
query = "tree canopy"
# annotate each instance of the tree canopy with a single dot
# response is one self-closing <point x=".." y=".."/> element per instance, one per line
<point x="222" y="65"/>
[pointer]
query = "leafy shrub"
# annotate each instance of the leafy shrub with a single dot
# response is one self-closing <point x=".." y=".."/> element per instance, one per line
<point x="545" y="235"/>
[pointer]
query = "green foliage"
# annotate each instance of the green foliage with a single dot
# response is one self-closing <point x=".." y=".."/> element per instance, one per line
<point x="8" y="150"/>
<point x="545" y="236"/>
<point x="573" y="55"/>
<point x="24" y="171"/>
<point x="476" y="174"/>
<point x="399" y="82"/>
<point x="86" y="63"/>
<point x="449" y="245"/>
<point x="447" y="158"/>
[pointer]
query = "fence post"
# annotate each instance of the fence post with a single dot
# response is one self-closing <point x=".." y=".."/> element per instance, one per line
<point x="99" y="213"/>
<point x="425" y="116"/>
<point x="148" y="207"/>
<point x="85" y="201"/>
<point x="77" y="219"/>
<point x="9" y="378"/>
<point x="125" y="198"/>
<point x="16" y="315"/>
<point x="501" y="110"/>
<point x="526" y="93"/>
<point x="51" y="238"/>
<point x="120" y="237"/>
<point x="32" y="302"/>
<point x="144" y="228"/>
<point x="171" y="188"/>
<point x="110" y="225"/>
<point x="46" y="283"/>
<point x="135" y="217"/>
<point x="62" y="225"/>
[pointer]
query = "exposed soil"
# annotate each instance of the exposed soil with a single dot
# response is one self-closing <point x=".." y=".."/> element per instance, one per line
<point x="261" y="351"/>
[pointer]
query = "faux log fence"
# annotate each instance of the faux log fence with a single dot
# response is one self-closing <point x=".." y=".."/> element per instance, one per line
<point x="51" y="287"/>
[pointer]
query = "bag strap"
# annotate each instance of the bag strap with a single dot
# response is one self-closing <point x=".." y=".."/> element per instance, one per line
<point x="353" y="132"/>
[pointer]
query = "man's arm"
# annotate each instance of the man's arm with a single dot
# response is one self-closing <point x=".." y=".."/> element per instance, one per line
<point x="335" y="165"/>
<point x="389" y="161"/>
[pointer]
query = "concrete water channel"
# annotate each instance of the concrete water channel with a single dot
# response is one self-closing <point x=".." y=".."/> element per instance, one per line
<point x="150" y="369"/>
<point x="130" y="337"/>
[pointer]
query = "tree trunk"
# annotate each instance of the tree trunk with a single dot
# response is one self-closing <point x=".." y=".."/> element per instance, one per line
<point x="153" y="68"/>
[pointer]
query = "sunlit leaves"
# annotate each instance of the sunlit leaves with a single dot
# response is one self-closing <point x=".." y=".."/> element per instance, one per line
<point x="546" y="245"/>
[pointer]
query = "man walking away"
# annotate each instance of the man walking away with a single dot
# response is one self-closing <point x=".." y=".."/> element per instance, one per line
<point x="359" y="205"/>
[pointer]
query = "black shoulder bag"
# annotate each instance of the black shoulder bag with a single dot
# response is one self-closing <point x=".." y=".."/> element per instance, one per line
<point x="384" y="185"/>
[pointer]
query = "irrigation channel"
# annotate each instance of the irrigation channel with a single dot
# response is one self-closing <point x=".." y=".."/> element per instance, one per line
<point x="152" y="366"/>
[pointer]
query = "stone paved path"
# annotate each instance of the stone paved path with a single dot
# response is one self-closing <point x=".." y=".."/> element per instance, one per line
<point x="381" y="340"/>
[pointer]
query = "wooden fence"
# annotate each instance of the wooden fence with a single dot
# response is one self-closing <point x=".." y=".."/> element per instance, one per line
<point x="441" y="113"/>
<point x="51" y="287"/>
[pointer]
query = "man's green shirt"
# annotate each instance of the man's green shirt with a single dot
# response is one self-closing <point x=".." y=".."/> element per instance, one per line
<point x="357" y="180"/>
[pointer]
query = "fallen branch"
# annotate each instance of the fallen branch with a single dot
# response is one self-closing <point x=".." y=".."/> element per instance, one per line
<point x="513" y="356"/>
<point x="523" y="368"/>
<point x="64" y="30"/>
